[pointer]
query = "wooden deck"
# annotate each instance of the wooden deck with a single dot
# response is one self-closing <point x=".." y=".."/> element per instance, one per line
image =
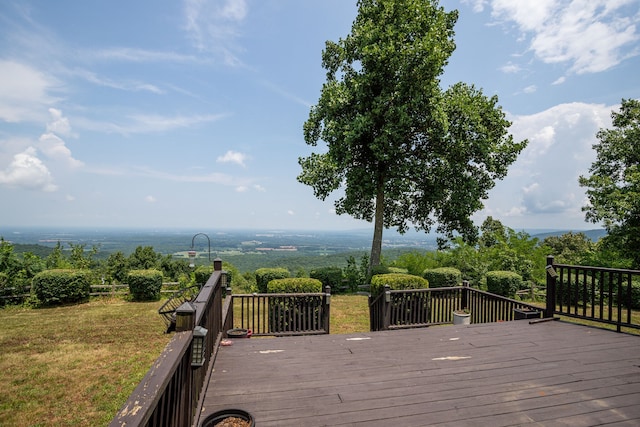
<point x="497" y="374"/>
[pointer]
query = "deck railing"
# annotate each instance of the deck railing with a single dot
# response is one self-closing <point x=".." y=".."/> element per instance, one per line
<point x="170" y="392"/>
<point x="414" y="308"/>
<point x="282" y="314"/>
<point x="604" y="295"/>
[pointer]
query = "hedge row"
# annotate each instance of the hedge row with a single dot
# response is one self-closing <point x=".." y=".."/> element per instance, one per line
<point x="265" y="275"/>
<point x="145" y="285"/>
<point x="397" y="281"/>
<point x="504" y="283"/>
<point x="443" y="277"/>
<point x="62" y="286"/>
<point x="294" y="285"/>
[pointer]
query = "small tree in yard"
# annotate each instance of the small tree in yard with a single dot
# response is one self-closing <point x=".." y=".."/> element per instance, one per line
<point x="406" y="152"/>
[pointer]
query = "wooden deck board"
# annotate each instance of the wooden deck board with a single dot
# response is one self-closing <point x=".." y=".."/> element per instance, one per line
<point x="499" y="374"/>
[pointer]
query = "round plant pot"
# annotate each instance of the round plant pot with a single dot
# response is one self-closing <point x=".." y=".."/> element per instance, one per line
<point x="220" y="416"/>
<point x="461" y="318"/>
<point x="239" y="333"/>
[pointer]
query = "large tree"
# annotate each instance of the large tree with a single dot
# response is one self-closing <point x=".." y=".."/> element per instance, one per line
<point x="613" y="188"/>
<point x="405" y="152"/>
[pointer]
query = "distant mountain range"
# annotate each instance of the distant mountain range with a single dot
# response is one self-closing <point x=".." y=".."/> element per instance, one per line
<point x="594" y="235"/>
<point x="40" y="241"/>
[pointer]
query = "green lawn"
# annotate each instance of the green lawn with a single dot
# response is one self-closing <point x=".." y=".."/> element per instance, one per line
<point x="75" y="365"/>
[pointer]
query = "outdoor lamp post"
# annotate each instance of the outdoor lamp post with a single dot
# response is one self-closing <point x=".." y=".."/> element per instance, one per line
<point x="198" y="347"/>
<point x="192" y="252"/>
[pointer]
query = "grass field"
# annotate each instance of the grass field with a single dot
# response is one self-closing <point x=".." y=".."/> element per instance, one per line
<point x="77" y="365"/>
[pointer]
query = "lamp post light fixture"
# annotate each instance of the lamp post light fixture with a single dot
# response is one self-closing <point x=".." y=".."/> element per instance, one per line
<point x="192" y="252"/>
<point x="198" y="347"/>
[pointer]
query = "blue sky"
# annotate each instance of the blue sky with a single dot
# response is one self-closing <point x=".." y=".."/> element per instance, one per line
<point x="165" y="114"/>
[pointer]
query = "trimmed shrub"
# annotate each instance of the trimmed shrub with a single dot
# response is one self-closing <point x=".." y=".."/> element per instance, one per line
<point x="286" y="313"/>
<point x="329" y="276"/>
<point x="379" y="269"/>
<point x="145" y="285"/>
<point x="61" y="286"/>
<point x="265" y="275"/>
<point x="202" y="273"/>
<point x="397" y="281"/>
<point x="297" y="285"/>
<point x="504" y="283"/>
<point x="443" y="277"/>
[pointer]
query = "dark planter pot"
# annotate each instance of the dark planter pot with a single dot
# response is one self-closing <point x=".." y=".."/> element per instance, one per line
<point x="520" y="313"/>
<point x="239" y="333"/>
<point x="217" y="417"/>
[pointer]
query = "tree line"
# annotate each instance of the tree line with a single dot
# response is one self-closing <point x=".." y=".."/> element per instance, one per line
<point x="499" y="248"/>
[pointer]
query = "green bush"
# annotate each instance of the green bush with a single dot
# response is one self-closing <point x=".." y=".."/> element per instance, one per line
<point x="634" y="302"/>
<point x="379" y="269"/>
<point x="297" y="285"/>
<point x="145" y="285"/>
<point x="265" y="275"/>
<point x="8" y="291"/>
<point x="504" y="283"/>
<point x="329" y="276"/>
<point x="202" y="274"/>
<point x="61" y="286"/>
<point x="443" y="277"/>
<point x="397" y="281"/>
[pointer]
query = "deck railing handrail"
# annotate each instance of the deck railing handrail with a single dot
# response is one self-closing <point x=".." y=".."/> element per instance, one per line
<point x="169" y="394"/>
<point x="598" y="294"/>
<point x="412" y="308"/>
<point x="280" y="314"/>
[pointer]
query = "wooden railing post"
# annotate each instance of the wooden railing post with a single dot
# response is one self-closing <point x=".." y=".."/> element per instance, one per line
<point x="551" y="288"/>
<point x="464" y="297"/>
<point x="326" y="301"/>
<point x="386" y="311"/>
<point x="185" y="317"/>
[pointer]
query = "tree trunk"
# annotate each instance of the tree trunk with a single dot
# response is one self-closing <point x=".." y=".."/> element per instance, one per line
<point x="376" y="245"/>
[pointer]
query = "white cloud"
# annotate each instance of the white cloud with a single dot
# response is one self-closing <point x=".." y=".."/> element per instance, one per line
<point x="213" y="26"/>
<point x="150" y="199"/>
<point x="58" y="124"/>
<point x="544" y="179"/>
<point x="28" y="172"/>
<point x="589" y="35"/>
<point x="242" y="189"/>
<point x="510" y="68"/>
<point x="127" y="54"/>
<point x="478" y="5"/>
<point x="124" y="85"/>
<point x="52" y="145"/>
<point x="25" y="92"/>
<point x="232" y="157"/>
<point x="147" y="123"/>
<point x="259" y="187"/>
<point x="290" y="212"/>
<point x="530" y="89"/>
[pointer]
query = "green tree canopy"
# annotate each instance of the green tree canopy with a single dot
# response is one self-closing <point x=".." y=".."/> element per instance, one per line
<point x="570" y="248"/>
<point x="613" y="187"/>
<point x="405" y="152"/>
